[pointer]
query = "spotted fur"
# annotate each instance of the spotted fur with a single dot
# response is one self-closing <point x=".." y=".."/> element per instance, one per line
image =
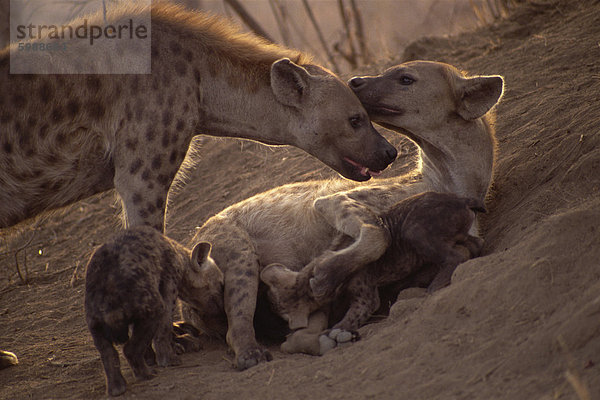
<point x="296" y="225"/>
<point x="133" y="281"/>
<point x="66" y="137"/>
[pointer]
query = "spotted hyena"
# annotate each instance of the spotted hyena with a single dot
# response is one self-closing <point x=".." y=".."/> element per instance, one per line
<point x="67" y="137"/>
<point x="447" y="115"/>
<point x="133" y="281"/>
<point x="429" y="237"/>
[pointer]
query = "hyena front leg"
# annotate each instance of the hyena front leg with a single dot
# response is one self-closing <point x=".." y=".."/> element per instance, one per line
<point x="364" y="302"/>
<point x="371" y="240"/>
<point x="142" y="179"/>
<point x="235" y="253"/>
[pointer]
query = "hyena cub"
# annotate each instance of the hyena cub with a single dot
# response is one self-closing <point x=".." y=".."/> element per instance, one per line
<point x="133" y="281"/>
<point x="429" y="237"/>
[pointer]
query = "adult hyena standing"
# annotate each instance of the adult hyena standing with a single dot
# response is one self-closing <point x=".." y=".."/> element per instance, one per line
<point x="67" y="137"/>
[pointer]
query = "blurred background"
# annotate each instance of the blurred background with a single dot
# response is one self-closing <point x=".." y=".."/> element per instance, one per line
<point x="342" y="34"/>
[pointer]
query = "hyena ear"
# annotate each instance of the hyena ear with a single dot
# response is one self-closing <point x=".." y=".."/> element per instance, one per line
<point x="289" y="82"/>
<point x="478" y="95"/>
<point x="277" y="276"/>
<point x="200" y="253"/>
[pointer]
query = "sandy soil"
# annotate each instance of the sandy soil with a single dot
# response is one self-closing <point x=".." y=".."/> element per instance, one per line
<point x="520" y="322"/>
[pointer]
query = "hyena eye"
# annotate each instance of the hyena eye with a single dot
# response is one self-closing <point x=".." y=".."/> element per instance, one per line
<point x="406" y="80"/>
<point x="355" y="121"/>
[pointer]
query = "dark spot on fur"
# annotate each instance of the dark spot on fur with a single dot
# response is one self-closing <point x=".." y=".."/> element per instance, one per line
<point x="139" y="111"/>
<point x="150" y="185"/>
<point x="180" y="125"/>
<point x="188" y="55"/>
<point x="31" y="122"/>
<point x="167" y="117"/>
<point x="166" y="139"/>
<point x="155" y="83"/>
<point x="135" y="84"/>
<point x="186" y="107"/>
<point x="156" y="162"/>
<point x="150" y="208"/>
<point x="61" y="139"/>
<point x="180" y="68"/>
<point x="160" y="203"/>
<point x="18" y="100"/>
<point x="150" y="134"/>
<point x="197" y="75"/>
<point x="175" y="47"/>
<point x="93" y="83"/>
<point x="43" y="131"/>
<point x="96" y="109"/>
<point x="46" y="92"/>
<point x="136" y="198"/>
<point x="128" y="112"/>
<point x="57" y="114"/>
<point x="143" y="213"/>
<point x="173" y="157"/>
<point x="7" y="147"/>
<point x="19" y="128"/>
<point x="131" y="144"/>
<point x="72" y="108"/>
<point x="146" y="174"/>
<point x="166" y="79"/>
<point x="163" y="179"/>
<point x="135" y="166"/>
<point x="250" y="273"/>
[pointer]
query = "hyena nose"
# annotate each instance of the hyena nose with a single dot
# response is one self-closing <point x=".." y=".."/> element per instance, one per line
<point x="356" y="82"/>
<point x="392" y="153"/>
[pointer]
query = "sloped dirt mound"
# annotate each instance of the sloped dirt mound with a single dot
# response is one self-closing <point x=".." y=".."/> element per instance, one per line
<point x="520" y="322"/>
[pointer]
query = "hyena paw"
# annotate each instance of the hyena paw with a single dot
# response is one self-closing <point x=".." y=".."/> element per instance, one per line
<point x="117" y="386"/>
<point x="335" y="337"/>
<point x="252" y="357"/>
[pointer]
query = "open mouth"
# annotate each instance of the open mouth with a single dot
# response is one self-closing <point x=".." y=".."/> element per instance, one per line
<point x="364" y="171"/>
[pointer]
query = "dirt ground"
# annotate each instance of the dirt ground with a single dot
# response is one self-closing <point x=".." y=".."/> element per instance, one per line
<point x="520" y="322"/>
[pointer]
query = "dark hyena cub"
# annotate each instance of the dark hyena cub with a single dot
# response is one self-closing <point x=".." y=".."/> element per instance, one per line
<point x="429" y="237"/>
<point x="133" y="281"/>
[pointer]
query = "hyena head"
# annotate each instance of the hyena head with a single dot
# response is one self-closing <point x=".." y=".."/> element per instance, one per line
<point x="421" y="98"/>
<point x="203" y="281"/>
<point x="289" y="294"/>
<point x="328" y="121"/>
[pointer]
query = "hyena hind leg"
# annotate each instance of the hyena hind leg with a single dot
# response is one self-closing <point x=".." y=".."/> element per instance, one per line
<point x="115" y="383"/>
<point x="137" y="346"/>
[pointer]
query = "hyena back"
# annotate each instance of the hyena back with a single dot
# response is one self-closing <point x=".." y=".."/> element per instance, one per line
<point x="134" y="281"/>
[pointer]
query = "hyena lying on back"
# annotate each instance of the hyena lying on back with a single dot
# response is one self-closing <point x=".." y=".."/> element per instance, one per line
<point x="438" y="107"/>
<point x="134" y="281"/>
<point x="67" y="137"/>
<point x="429" y="237"/>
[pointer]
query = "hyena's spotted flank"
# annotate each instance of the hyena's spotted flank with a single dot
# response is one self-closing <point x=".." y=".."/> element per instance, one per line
<point x="133" y="281"/>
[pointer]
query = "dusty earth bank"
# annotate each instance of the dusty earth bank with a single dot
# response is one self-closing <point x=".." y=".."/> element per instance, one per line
<point x="520" y="322"/>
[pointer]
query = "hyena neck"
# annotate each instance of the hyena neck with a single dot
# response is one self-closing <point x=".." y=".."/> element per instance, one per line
<point x="234" y="112"/>
<point x="463" y="167"/>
